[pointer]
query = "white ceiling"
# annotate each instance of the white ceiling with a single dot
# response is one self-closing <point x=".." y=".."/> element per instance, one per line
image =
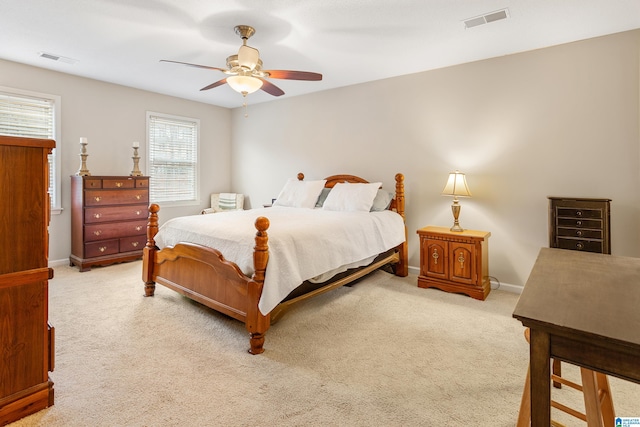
<point x="348" y="41"/>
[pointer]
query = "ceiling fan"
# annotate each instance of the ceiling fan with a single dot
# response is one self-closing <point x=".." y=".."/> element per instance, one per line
<point x="245" y="70"/>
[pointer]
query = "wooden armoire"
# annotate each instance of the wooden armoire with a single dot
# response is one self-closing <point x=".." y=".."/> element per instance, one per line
<point x="26" y="338"/>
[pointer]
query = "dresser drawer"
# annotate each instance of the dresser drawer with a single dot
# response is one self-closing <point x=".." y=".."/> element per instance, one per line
<point x="574" y="212"/>
<point x="118" y="183"/>
<point x="580" y="245"/>
<point x="105" y="247"/>
<point x="134" y="243"/>
<point x="142" y="183"/>
<point x="582" y="233"/>
<point x="92" y="183"/>
<point x="114" y="213"/>
<point x="115" y="197"/>
<point x="580" y="223"/>
<point x="113" y="230"/>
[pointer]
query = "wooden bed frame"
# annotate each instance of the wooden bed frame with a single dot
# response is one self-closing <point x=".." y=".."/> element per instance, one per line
<point x="204" y="275"/>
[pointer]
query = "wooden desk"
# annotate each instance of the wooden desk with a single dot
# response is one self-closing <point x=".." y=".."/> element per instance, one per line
<point x="583" y="308"/>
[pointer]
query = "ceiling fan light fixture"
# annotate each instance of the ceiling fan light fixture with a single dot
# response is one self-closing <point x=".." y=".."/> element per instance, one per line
<point x="248" y="57"/>
<point x="244" y="84"/>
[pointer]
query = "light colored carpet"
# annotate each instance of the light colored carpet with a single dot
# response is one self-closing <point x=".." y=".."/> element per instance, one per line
<point x="381" y="353"/>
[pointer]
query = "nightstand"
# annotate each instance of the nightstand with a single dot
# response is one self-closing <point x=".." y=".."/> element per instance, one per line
<point x="455" y="261"/>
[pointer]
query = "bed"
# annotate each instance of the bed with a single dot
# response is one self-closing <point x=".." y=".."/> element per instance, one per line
<point x="230" y="274"/>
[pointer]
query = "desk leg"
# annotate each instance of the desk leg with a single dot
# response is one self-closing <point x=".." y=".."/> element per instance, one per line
<point x="539" y="357"/>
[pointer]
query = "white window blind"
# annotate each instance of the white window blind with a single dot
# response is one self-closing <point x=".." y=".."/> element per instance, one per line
<point x="173" y="158"/>
<point x="33" y="116"/>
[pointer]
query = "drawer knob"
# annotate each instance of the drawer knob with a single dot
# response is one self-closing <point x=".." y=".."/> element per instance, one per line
<point x="138" y="197"/>
<point x="578" y="213"/>
<point x="138" y="212"/>
<point x="580" y="246"/>
<point x="102" y="248"/>
<point x="97" y="232"/>
<point x="134" y="244"/>
<point x="97" y="198"/>
<point x="118" y="184"/>
<point x="435" y="256"/>
<point x="97" y="215"/>
<point x="138" y="228"/>
<point x="579" y="233"/>
<point x="579" y="223"/>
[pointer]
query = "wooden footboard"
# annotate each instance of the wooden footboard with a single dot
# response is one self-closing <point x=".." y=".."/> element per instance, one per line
<point x="204" y="275"/>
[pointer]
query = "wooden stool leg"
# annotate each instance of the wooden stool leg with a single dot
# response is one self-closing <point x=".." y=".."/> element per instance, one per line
<point x="524" y="415"/>
<point x="557" y="370"/>
<point x="591" y="398"/>
<point x="606" y="400"/>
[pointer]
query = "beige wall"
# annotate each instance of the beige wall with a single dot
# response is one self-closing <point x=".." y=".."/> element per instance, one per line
<point x="112" y="117"/>
<point x="561" y="121"/>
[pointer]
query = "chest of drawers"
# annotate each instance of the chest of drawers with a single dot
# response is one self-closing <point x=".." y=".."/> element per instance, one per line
<point x="27" y="340"/>
<point x="108" y="219"/>
<point x="580" y="224"/>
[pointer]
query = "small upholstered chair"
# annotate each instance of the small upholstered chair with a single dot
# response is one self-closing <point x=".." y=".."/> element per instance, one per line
<point x="225" y="202"/>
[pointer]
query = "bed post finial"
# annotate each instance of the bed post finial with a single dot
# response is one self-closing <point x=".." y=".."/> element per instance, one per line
<point x="148" y="253"/>
<point x="402" y="268"/>
<point x="256" y="322"/>
<point x="400" y="194"/>
<point x="261" y="250"/>
<point x="300" y="176"/>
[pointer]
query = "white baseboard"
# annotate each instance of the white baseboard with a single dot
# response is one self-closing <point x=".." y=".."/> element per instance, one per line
<point x="58" y="262"/>
<point x="508" y="287"/>
<point x="413" y="270"/>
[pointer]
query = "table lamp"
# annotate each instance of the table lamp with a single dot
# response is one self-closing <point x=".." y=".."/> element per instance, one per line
<point x="456" y="186"/>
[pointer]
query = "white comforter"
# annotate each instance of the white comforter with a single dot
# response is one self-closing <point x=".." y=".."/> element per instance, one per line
<point x="303" y="243"/>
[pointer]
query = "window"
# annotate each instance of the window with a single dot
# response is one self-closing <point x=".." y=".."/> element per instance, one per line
<point x="172" y="159"/>
<point x="34" y="115"/>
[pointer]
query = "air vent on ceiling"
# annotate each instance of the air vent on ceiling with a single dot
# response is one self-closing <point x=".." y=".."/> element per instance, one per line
<point x="485" y="19"/>
<point x="58" y="58"/>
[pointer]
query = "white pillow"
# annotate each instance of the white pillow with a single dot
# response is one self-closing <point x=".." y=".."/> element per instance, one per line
<point x="351" y="197"/>
<point x="300" y="194"/>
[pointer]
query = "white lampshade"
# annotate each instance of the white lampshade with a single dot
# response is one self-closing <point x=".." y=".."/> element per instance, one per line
<point x="456" y="185"/>
<point x="244" y="84"/>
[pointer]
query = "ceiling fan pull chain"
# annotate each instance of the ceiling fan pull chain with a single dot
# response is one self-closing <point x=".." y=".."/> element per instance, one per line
<point x="246" y="112"/>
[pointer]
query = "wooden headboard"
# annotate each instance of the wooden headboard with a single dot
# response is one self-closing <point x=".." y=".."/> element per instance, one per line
<point x="397" y="204"/>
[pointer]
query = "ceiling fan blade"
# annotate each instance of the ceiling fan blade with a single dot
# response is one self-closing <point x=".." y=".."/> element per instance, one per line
<point x="216" y="84"/>
<point x="294" y="75"/>
<point x="271" y="89"/>
<point x="195" y="65"/>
